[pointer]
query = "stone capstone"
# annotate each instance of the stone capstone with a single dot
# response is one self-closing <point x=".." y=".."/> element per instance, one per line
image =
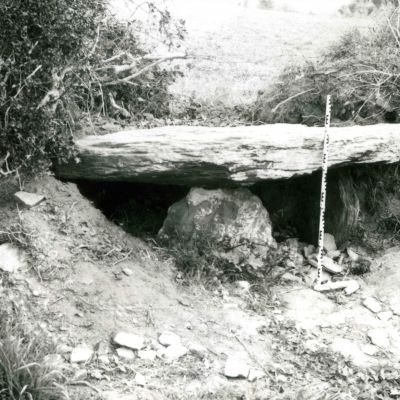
<point x="234" y="221"/>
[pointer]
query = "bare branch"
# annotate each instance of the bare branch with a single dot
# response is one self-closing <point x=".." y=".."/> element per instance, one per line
<point x="95" y="43"/>
<point x="145" y="69"/>
<point x="4" y="167"/>
<point x="291" y="98"/>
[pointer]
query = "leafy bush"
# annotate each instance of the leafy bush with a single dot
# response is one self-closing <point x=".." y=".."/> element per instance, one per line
<point x="360" y="72"/>
<point x="365" y="7"/>
<point x="56" y="61"/>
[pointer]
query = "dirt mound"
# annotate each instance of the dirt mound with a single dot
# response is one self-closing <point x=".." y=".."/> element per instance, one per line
<point x="87" y="280"/>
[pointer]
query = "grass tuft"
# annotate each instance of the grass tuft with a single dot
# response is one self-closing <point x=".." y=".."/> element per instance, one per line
<point x="25" y="373"/>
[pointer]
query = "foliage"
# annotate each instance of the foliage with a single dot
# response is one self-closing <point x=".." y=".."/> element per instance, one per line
<point x="365" y="7"/>
<point x="360" y="72"/>
<point x="54" y="65"/>
<point x="24" y="371"/>
<point x="204" y="260"/>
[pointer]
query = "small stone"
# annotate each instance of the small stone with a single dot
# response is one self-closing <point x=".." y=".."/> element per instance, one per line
<point x="81" y="354"/>
<point x="11" y="258"/>
<point x="351" y="288"/>
<point x="352" y="254"/>
<point x="29" y="199"/>
<point x="331" y="266"/>
<point x="36" y="293"/>
<point x="127" y="271"/>
<point x="369" y="349"/>
<point x="255" y="374"/>
<point x="174" y="352"/>
<point x="236" y="368"/>
<point x="149" y="355"/>
<point x="125" y="354"/>
<point x="129" y="340"/>
<point x="329" y="242"/>
<point x="334" y="254"/>
<point x="308" y="251"/>
<point x="379" y="337"/>
<point x="328" y="264"/>
<point x="372" y="304"/>
<point x="168" y="338"/>
<point x="385" y="315"/>
<point x="140" y="379"/>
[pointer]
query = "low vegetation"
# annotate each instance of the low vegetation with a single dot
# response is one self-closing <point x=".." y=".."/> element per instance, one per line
<point x="360" y="72"/>
<point x="61" y="59"/>
<point x="27" y="372"/>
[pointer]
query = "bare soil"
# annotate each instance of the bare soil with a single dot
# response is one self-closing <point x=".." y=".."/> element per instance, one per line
<point x="308" y="343"/>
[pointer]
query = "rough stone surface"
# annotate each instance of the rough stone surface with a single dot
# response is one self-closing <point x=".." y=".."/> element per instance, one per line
<point x="329" y="242"/>
<point x="11" y="258"/>
<point x="168" y="338"/>
<point x="29" y="199"/>
<point x="236" y="367"/>
<point x="379" y="337"/>
<point x="352" y="287"/>
<point x="194" y="156"/>
<point x="149" y="355"/>
<point x="372" y="304"/>
<point x="352" y="254"/>
<point x="174" y="352"/>
<point x="126" y="354"/>
<point x="234" y="220"/>
<point x="81" y="354"/>
<point x="129" y="340"/>
<point x="328" y="264"/>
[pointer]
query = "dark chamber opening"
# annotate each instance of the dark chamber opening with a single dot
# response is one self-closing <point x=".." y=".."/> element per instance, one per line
<point x="293" y="204"/>
<point x="141" y="208"/>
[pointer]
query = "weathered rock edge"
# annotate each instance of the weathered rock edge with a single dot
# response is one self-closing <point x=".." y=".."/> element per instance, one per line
<point x="189" y="155"/>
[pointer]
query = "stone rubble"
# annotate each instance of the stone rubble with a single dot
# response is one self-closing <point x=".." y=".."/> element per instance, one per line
<point x="81" y="354"/>
<point x="236" y="367"/>
<point x="372" y="304"/>
<point x="168" y="338"/>
<point x="329" y="242"/>
<point x="174" y="352"/>
<point x="379" y="337"/>
<point x="12" y="258"/>
<point x="149" y="355"/>
<point x="125" y="354"/>
<point x="29" y="200"/>
<point x="129" y="340"/>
